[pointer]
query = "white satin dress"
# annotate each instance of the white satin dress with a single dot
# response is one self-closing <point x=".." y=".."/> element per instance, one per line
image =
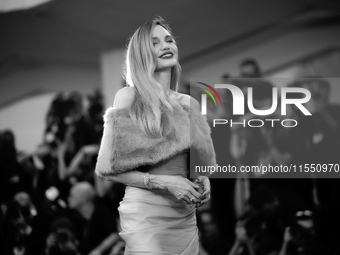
<point x="155" y="222"/>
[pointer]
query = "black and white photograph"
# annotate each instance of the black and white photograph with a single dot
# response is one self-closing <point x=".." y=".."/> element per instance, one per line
<point x="169" y="127"/>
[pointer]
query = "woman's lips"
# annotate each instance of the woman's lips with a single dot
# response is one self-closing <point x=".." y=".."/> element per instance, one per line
<point x="166" y="55"/>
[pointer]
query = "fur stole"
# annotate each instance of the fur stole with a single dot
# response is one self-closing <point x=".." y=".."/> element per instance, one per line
<point x="124" y="147"/>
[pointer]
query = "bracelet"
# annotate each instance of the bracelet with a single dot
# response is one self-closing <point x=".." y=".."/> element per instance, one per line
<point x="146" y="179"/>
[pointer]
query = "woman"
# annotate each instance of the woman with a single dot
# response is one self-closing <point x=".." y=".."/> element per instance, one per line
<point x="145" y="145"/>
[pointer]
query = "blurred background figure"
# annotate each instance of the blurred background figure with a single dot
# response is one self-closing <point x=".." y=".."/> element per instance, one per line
<point x="249" y="68"/>
<point x="259" y="230"/>
<point x="14" y="176"/>
<point x="251" y="77"/>
<point x="212" y="241"/>
<point x="324" y="125"/>
<point x="300" y="236"/>
<point x="97" y="224"/>
<point x="62" y="239"/>
<point x="24" y="226"/>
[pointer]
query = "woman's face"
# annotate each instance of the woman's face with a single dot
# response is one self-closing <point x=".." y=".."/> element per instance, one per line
<point x="164" y="48"/>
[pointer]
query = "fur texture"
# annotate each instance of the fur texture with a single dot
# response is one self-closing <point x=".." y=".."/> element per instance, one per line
<point x="124" y="147"/>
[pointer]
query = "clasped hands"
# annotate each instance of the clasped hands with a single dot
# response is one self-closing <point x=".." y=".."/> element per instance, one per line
<point x="197" y="192"/>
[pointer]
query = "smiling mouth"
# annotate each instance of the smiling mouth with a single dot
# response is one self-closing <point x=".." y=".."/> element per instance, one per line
<point x="166" y="55"/>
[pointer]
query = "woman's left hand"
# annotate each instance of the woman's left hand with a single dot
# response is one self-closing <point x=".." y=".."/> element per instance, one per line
<point x="206" y="189"/>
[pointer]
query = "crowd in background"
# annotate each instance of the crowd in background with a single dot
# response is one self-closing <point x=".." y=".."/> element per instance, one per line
<point x="52" y="202"/>
<point x="262" y="213"/>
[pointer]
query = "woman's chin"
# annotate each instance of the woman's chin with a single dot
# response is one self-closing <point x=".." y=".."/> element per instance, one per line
<point x="163" y="68"/>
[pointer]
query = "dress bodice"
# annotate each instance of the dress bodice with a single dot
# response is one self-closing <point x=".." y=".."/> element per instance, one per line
<point x="176" y="165"/>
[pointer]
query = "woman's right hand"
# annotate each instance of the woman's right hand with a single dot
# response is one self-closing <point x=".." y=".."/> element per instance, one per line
<point x="182" y="188"/>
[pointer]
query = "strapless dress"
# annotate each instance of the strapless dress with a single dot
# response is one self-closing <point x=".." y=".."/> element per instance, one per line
<point x="156" y="222"/>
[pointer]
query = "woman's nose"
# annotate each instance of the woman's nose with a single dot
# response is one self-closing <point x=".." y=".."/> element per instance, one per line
<point x="165" y="46"/>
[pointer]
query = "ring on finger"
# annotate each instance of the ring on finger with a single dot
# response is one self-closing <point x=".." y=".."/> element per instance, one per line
<point x="192" y="199"/>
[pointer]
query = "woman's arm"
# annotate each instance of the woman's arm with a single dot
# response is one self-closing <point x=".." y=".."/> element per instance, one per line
<point x="181" y="188"/>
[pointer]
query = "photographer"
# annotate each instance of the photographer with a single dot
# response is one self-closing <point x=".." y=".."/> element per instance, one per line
<point x="62" y="239"/>
<point x="259" y="230"/>
<point x="242" y="243"/>
<point x="13" y="176"/>
<point x="300" y="236"/>
<point x="24" y="226"/>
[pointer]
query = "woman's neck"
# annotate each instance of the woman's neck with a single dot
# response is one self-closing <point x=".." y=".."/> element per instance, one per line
<point x="164" y="78"/>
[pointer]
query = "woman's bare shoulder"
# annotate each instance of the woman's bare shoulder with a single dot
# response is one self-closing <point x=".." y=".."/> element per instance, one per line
<point x="124" y="98"/>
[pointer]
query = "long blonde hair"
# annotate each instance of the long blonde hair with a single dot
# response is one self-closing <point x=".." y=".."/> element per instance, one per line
<point x="140" y="66"/>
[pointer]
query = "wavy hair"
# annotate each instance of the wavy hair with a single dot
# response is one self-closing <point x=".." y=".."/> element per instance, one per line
<point x="140" y="66"/>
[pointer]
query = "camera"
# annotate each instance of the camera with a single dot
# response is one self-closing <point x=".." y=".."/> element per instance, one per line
<point x="65" y="244"/>
<point x="302" y="233"/>
<point x="299" y="233"/>
<point x="62" y="237"/>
